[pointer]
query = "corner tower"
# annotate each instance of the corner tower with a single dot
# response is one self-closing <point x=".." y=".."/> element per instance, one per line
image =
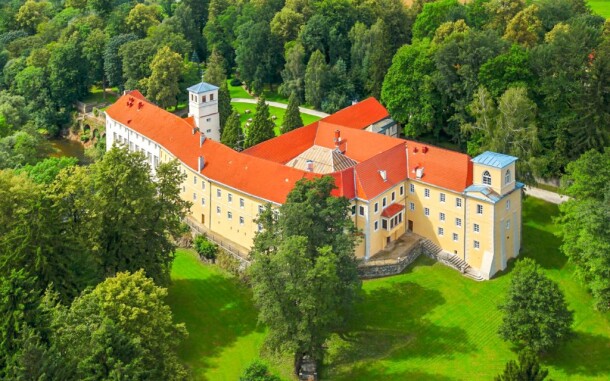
<point x="203" y="107"/>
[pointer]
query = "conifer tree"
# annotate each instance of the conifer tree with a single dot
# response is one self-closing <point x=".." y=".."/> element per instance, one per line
<point x="262" y="125"/>
<point x="292" y="118"/>
<point x="215" y="69"/>
<point x="527" y="368"/>
<point x="315" y="79"/>
<point x="231" y="132"/>
<point x="224" y="104"/>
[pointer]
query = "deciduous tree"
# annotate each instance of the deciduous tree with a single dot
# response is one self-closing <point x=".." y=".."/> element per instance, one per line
<point x="536" y="315"/>
<point x="166" y="69"/>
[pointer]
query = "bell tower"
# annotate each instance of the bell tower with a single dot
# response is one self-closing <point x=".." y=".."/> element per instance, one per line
<point x="203" y="107"/>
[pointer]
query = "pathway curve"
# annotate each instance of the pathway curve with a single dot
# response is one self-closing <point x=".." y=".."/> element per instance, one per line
<point x="303" y="110"/>
<point x="545" y="195"/>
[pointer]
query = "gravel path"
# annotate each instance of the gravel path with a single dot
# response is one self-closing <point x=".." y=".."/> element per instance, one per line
<point x="545" y="195"/>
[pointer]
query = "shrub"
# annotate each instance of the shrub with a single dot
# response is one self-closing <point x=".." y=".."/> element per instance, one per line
<point x="257" y="371"/>
<point x="228" y="263"/>
<point x="235" y="82"/>
<point x="205" y="248"/>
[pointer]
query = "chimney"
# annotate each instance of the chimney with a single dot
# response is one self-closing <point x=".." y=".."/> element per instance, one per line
<point x="140" y="105"/>
<point x="384" y="175"/>
<point x="309" y="165"/>
<point x="337" y="138"/>
<point x="424" y="150"/>
<point x="201" y="163"/>
<point x="201" y="139"/>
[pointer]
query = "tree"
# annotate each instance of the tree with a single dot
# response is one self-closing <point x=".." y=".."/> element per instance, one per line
<point x="316" y="79"/>
<point x="205" y="248"/>
<point x="121" y="329"/>
<point x="525" y="28"/>
<point x="162" y="84"/>
<point x="584" y="222"/>
<point x="224" y="104"/>
<point x="286" y="24"/>
<point x="507" y="70"/>
<point x="93" y="50"/>
<point x="31" y="14"/>
<point x="340" y="89"/>
<point x="231" y="131"/>
<point x="127" y="206"/>
<point x="378" y="59"/>
<point x="304" y="272"/>
<point x="292" y="118"/>
<point x="262" y="127"/>
<point x="68" y="73"/>
<point x="501" y="12"/>
<point x="527" y="369"/>
<point x="408" y="90"/>
<point x="434" y="14"/>
<point x="257" y="371"/>
<point x="536" y="315"/>
<point x="215" y="69"/>
<point x="510" y="128"/>
<point x="141" y="18"/>
<point x="136" y="57"/>
<point x="293" y="75"/>
<point x="113" y="64"/>
<point x="45" y="172"/>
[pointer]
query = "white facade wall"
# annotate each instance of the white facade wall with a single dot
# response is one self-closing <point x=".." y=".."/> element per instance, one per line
<point x="119" y="134"/>
<point x="203" y="107"/>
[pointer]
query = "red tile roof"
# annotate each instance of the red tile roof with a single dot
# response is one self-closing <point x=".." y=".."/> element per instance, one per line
<point x="260" y="170"/>
<point x="441" y="167"/>
<point x="266" y="179"/>
<point x="392" y="210"/>
<point x="360" y="115"/>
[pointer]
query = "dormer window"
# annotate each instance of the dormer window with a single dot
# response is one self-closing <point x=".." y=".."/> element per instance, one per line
<point x="486" y="178"/>
<point x="507" y="177"/>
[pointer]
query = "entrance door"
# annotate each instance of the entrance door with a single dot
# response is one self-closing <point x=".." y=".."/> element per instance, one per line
<point x="410" y="225"/>
<point x="387" y="240"/>
<point x="203" y="218"/>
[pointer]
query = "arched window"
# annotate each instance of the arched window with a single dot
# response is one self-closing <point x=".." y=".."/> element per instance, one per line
<point x="507" y="177"/>
<point x="486" y="178"/>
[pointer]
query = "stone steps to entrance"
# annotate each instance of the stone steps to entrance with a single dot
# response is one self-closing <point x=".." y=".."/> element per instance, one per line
<point x="450" y="260"/>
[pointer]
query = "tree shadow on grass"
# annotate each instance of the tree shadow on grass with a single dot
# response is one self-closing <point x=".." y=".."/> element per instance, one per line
<point x="585" y="354"/>
<point x="391" y="323"/>
<point x="217" y="310"/>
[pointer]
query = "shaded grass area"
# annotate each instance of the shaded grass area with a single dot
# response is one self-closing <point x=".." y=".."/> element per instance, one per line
<point x="278" y="112"/>
<point x="220" y="317"/>
<point x="96" y="95"/>
<point x="429" y="323"/>
<point x="601" y="7"/>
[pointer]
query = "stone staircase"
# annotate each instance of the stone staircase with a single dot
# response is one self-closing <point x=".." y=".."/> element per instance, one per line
<point x="450" y="260"/>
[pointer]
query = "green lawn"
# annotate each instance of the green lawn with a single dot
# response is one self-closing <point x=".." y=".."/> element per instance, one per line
<point x="429" y="323"/>
<point x="96" y="95"/>
<point x="238" y="91"/>
<point x="601" y="7"/>
<point x="279" y="112"/>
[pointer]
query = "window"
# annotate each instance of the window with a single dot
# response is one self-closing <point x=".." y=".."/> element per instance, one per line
<point x="507" y="204"/>
<point x="361" y="210"/>
<point x="384" y="224"/>
<point x="241" y="220"/>
<point x="194" y="196"/>
<point x="376" y="207"/>
<point x="426" y="211"/>
<point x="229" y="215"/>
<point x="385" y="202"/>
<point x="441" y="231"/>
<point x="202" y="201"/>
<point x="486" y="178"/>
<point x="441" y="216"/>
<point x="442" y="197"/>
<point x="218" y="211"/>
<point x="411" y="188"/>
<point x="507" y="177"/>
<point x="458" y="222"/>
<point x="260" y="209"/>
<point x="479" y="209"/>
<point x="229" y="197"/>
<point x="376" y="225"/>
<point x="458" y="202"/>
<point x="411" y="206"/>
<point x="427" y="193"/>
<point x="455" y="237"/>
<point x="211" y="97"/>
<point x="476" y="228"/>
<point x="194" y="179"/>
<point x="203" y="98"/>
<point x="218" y="193"/>
<point x="508" y="225"/>
<point x="477" y="244"/>
<point x="242" y="203"/>
<point x="353" y="210"/>
<point x="402" y="190"/>
<point x="393" y="196"/>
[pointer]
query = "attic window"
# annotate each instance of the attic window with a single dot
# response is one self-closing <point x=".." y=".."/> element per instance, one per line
<point x="384" y="175"/>
<point x="486" y="178"/>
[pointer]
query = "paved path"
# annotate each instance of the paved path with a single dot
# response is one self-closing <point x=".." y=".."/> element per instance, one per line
<point x="545" y="195"/>
<point x="303" y="110"/>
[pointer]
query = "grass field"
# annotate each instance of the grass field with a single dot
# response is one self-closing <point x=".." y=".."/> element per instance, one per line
<point x="278" y="112"/>
<point x="429" y="323"/>
<point x="601" y="7"/>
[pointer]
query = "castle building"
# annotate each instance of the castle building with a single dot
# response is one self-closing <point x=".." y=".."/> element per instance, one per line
<point x="470" y="208"/>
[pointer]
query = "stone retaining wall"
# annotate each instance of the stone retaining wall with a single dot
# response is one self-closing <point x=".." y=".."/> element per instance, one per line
<point x="369" y="270"/>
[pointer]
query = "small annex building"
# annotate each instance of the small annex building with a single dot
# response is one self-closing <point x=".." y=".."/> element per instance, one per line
<point x="471" y="208"/>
